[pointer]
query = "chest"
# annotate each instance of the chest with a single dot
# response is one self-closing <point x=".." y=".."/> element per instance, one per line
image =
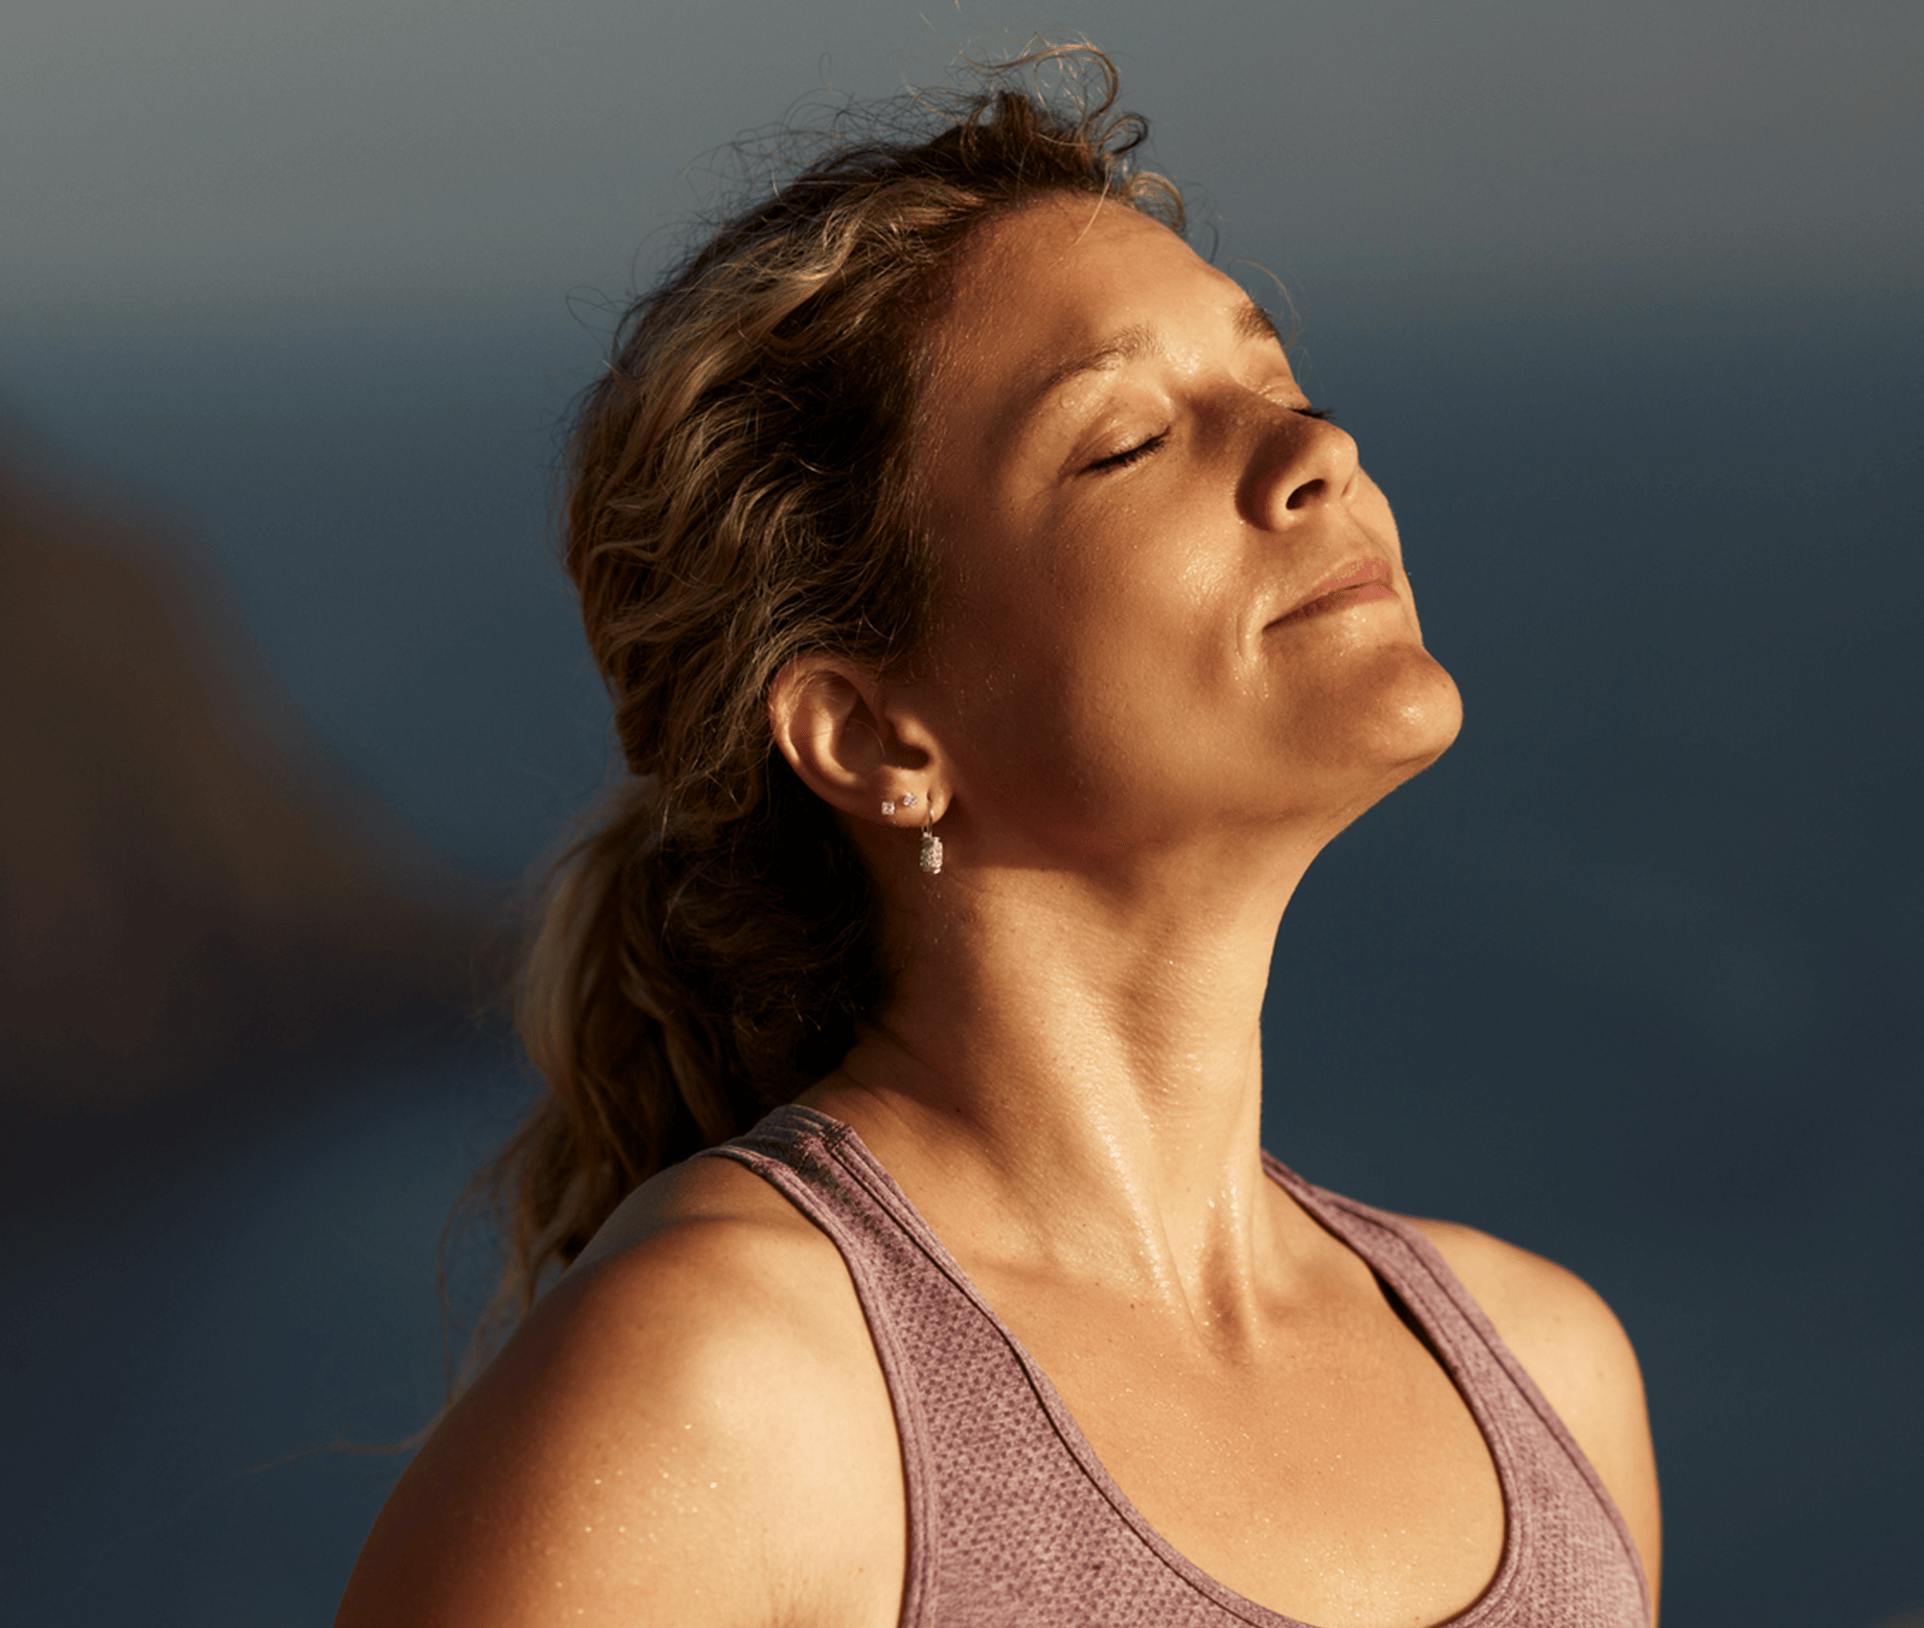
<point x="1341" y="1479"/>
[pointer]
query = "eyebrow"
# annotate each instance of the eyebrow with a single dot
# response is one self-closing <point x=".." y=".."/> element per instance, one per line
<point x="1247" y="320"/>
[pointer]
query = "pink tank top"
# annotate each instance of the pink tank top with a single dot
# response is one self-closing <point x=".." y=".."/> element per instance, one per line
<point x="1012" y="1520"/>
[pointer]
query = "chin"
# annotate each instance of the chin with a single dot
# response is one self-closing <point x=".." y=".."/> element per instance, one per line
<point x="1416" y="719"/>
<point x="1437" y="712"/>
<point x="1361" y="733"/>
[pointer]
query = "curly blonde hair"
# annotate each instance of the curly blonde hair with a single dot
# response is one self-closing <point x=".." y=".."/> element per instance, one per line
<point x="741" y="489"/>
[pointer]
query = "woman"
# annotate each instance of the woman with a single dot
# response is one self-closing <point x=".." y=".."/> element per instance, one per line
<point x="996" y="634"/>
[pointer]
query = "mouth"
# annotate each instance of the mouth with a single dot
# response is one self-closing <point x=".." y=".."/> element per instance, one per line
<point x="1355" y="580"/>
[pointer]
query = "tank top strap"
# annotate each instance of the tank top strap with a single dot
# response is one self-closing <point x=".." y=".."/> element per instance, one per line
<point x="1560" y="1499"/>
<point x="793" y="1148"/>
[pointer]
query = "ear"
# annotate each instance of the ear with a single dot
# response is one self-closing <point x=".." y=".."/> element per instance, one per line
<point x="853" y="741"/>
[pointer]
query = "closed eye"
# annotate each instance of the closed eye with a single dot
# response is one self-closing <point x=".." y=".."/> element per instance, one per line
<point x="1118" y="459"/>
<point x="1130" y="455"/>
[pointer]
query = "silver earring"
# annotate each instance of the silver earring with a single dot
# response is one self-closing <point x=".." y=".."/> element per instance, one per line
<point x="887" y="806"/>
<point x="931" y="857"/>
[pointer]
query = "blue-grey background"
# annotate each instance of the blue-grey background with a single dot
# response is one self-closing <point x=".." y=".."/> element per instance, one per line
<point x="1622" y="304"/>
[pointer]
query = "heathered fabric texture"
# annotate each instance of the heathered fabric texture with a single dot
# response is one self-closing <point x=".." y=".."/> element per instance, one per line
<point x="1012" y="1520"/>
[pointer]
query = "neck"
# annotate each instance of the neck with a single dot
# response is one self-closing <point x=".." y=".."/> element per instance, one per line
<point x="1069" y="1075"/>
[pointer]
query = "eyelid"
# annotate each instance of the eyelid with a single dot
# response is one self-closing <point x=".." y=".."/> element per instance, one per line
<point x="1308" y="410"/>
<point x="1126" y="456"/>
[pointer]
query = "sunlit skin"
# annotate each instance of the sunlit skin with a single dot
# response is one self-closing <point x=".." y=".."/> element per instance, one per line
<point x="1130" y="770"/>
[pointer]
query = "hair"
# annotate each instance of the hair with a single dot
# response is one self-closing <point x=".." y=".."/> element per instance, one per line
<point x="740" y="489"/>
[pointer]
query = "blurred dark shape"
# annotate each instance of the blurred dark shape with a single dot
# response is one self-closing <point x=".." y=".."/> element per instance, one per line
<point x="186" y="886"/>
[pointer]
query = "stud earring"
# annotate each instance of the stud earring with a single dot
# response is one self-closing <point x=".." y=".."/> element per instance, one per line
<point x="887" y="806"/>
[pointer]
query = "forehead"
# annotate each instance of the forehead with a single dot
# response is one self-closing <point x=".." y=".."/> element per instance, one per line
<point x="1052" y="278"/>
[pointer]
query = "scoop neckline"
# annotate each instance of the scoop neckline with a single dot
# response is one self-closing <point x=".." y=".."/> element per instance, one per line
<point x="1497" y="1441"/>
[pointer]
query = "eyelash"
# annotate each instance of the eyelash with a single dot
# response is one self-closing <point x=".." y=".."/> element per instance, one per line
<point x="1121" y="460"/>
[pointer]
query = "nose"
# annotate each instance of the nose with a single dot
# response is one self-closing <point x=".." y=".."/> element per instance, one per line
<point x="1297" y="466"/>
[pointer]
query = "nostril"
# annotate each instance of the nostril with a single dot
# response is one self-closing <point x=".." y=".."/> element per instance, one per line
<point x="1309" y="489"/>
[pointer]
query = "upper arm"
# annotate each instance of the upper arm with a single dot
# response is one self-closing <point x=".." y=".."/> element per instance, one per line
<point x="1573" y="1346"/>
<point x="631" y="1455"/>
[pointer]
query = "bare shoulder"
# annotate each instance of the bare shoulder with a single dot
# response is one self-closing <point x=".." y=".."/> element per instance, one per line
<point x="1574" y="1347"/>
<point x="674" y="1433"/>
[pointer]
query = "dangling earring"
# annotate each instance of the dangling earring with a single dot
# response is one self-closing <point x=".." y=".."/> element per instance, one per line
<point x="931" y="855"/>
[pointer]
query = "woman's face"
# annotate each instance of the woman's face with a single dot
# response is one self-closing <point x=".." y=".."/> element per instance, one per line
<point x="1120" y="540"/>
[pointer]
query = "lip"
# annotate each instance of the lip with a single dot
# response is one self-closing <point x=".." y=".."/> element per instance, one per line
<point x="1355" y="573"/>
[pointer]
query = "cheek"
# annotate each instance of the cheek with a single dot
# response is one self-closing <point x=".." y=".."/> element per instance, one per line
<point x="1140" y="614"/>
<point x="1087" y="643"/>
<point x="1090" y="687"/>
<point x="1015" y="658"/>
<point x="1031" y="694"/>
